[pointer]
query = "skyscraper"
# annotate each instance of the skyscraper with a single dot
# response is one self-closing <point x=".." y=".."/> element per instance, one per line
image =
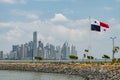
<point x="34" y="44"/>
<point x="1" y="54"/>
<point x="47" y="51"/>
<point x="73" y="51"/>
<point x="30" y="49"/>
<point x="22" y="51"/>
<point x="58" y="52"/>
<point x="15" y="51"/>
<point x="40" y="49"/>
<point x="25" y="50"/>
<point x="65" y="51"/>
<point x="52" y="52"/>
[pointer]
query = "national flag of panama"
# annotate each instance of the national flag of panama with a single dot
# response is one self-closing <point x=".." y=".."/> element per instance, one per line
<point x="98" y="26"/>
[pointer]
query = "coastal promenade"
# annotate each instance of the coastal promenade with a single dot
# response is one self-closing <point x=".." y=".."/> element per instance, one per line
<point x="90" y="71"/>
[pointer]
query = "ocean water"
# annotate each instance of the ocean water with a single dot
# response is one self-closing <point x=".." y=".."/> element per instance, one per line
<point x="20" y="75"/>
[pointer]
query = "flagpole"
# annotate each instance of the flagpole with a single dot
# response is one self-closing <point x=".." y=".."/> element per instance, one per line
<point x="90" y="39"/>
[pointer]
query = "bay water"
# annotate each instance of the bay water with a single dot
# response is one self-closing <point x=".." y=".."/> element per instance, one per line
<point x="23" y="75"/>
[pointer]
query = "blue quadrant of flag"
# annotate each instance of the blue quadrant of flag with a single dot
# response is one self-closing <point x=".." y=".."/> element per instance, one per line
<point x="95" y="28"/>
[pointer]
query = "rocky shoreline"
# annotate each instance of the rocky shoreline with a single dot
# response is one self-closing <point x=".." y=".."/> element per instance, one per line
<point x="95" y="71"/>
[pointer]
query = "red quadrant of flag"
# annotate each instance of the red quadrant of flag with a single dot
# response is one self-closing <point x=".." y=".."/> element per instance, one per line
<point x="102" y="24"/>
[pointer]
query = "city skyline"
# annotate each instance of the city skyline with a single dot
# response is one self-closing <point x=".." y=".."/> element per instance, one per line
<point x="31" y="49"/>
<point x="57" y="21"/>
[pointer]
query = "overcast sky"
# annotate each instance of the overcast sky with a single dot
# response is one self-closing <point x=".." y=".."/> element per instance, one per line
<point x="57" y="21"/>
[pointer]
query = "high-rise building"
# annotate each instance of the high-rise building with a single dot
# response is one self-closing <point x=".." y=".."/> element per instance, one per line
<point x="12" y="55"/>
<point x="25" y="50"/>
<point x="30" y="49"/>
<point x="58" y="52"/>
<point x="47" y="51"/>
<point x="73" y="51"/>
<point x="40" y="49"/>
<point x="19" y="53"/>
<point x="22" y="51"/>
<point x="52" y="52"/>
<point x="15" y="51"/>
<point x="15" y="47"/>
<point x="65" y="51"/>
<point x="34" y="44"/>
<point x="1" y="54"/>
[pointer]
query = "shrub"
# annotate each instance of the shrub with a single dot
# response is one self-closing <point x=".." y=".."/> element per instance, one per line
<point x="73" y="57"/>
<point x="90" y="57"/>
<point x="38" y="57"/>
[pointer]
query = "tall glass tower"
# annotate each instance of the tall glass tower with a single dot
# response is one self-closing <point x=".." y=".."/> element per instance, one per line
<point x="34" y="44"/>
<point x="65" y="51"/>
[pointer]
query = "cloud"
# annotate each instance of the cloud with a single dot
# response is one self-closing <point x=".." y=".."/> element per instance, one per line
<point x="76" y="32"/>
<point x="14" y="34"/>
<point x="116" y="24"/>
<point x="8" y="1"/>
<point x="3" y="24"/>
<point x="108" y="8"/>
<point x="47" y="31"/>
<point x="26" y="14"/>
<point x="13" y="1"/>
<point x="59" y="18"/>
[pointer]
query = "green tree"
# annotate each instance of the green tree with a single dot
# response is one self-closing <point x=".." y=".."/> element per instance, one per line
<point x="105" y="57"/>
<point x="84" y="56"/>
<point x="115" y="50"/>
<point x="86" y="50"/>
<point x="73" y="57"/>
<point x="90" y="57"/>
<point x="38" y="57"/>
<point x="85" y="53"/>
